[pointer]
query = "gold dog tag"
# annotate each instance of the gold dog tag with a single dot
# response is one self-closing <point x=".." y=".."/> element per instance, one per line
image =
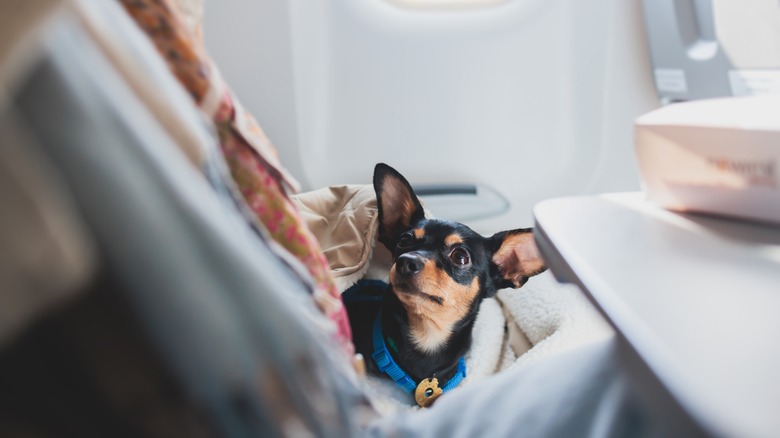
<point x="427" y="392"/>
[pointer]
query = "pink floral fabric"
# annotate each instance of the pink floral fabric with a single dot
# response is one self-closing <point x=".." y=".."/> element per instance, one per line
<point x="250" y="156"/>
<point x="266" y="197"/>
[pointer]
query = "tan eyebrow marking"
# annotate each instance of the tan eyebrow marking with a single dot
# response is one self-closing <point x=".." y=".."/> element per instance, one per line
<point x="453" y="239"/>
<point x="418" y="233"/>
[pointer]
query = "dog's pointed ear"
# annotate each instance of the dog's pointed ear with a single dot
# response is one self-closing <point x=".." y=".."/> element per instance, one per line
<point x="516" y="257"/>
<point x="399" y="208"/>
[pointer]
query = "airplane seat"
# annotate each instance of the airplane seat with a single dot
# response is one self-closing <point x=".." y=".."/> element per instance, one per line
<point x="704" y="49"/>
<point x="489" y="107"/>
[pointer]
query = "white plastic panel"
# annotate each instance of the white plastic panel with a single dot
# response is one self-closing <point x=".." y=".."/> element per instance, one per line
<point x="533" y="98"/>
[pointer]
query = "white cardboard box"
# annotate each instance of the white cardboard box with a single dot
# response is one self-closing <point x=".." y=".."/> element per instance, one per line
<point x="716" y="156"/>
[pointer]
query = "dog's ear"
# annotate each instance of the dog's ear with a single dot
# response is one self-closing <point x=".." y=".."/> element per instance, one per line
<point x="516" y="257"/>
<point x="399" y="208"/>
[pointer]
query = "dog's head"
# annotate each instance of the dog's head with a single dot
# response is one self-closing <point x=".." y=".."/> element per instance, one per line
<point x="443" y="269"/>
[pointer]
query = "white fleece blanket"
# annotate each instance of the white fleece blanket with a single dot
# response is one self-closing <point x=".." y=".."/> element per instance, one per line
<point x="554" y="318"/>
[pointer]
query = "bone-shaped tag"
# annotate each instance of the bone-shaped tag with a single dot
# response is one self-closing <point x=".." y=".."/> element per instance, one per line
<point x="427" y="391"/>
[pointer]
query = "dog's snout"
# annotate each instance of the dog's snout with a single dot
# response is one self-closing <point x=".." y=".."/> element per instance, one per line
<point x="409" y="264"/>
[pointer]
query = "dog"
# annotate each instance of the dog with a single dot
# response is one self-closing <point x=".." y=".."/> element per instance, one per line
<point x="417" y="329"/>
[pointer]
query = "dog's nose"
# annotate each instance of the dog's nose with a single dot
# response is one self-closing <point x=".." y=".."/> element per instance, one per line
<point x="409" y="264"/>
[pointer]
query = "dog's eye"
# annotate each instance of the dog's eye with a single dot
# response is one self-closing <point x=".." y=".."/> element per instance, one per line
<point x="460" y="256"/>
<point x="405" y="241"/>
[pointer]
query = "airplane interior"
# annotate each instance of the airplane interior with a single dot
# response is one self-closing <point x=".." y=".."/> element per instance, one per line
<point x="192" y="203"/>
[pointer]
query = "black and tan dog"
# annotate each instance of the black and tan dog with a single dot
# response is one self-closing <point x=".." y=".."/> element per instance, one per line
<point x="418" y="328"/>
